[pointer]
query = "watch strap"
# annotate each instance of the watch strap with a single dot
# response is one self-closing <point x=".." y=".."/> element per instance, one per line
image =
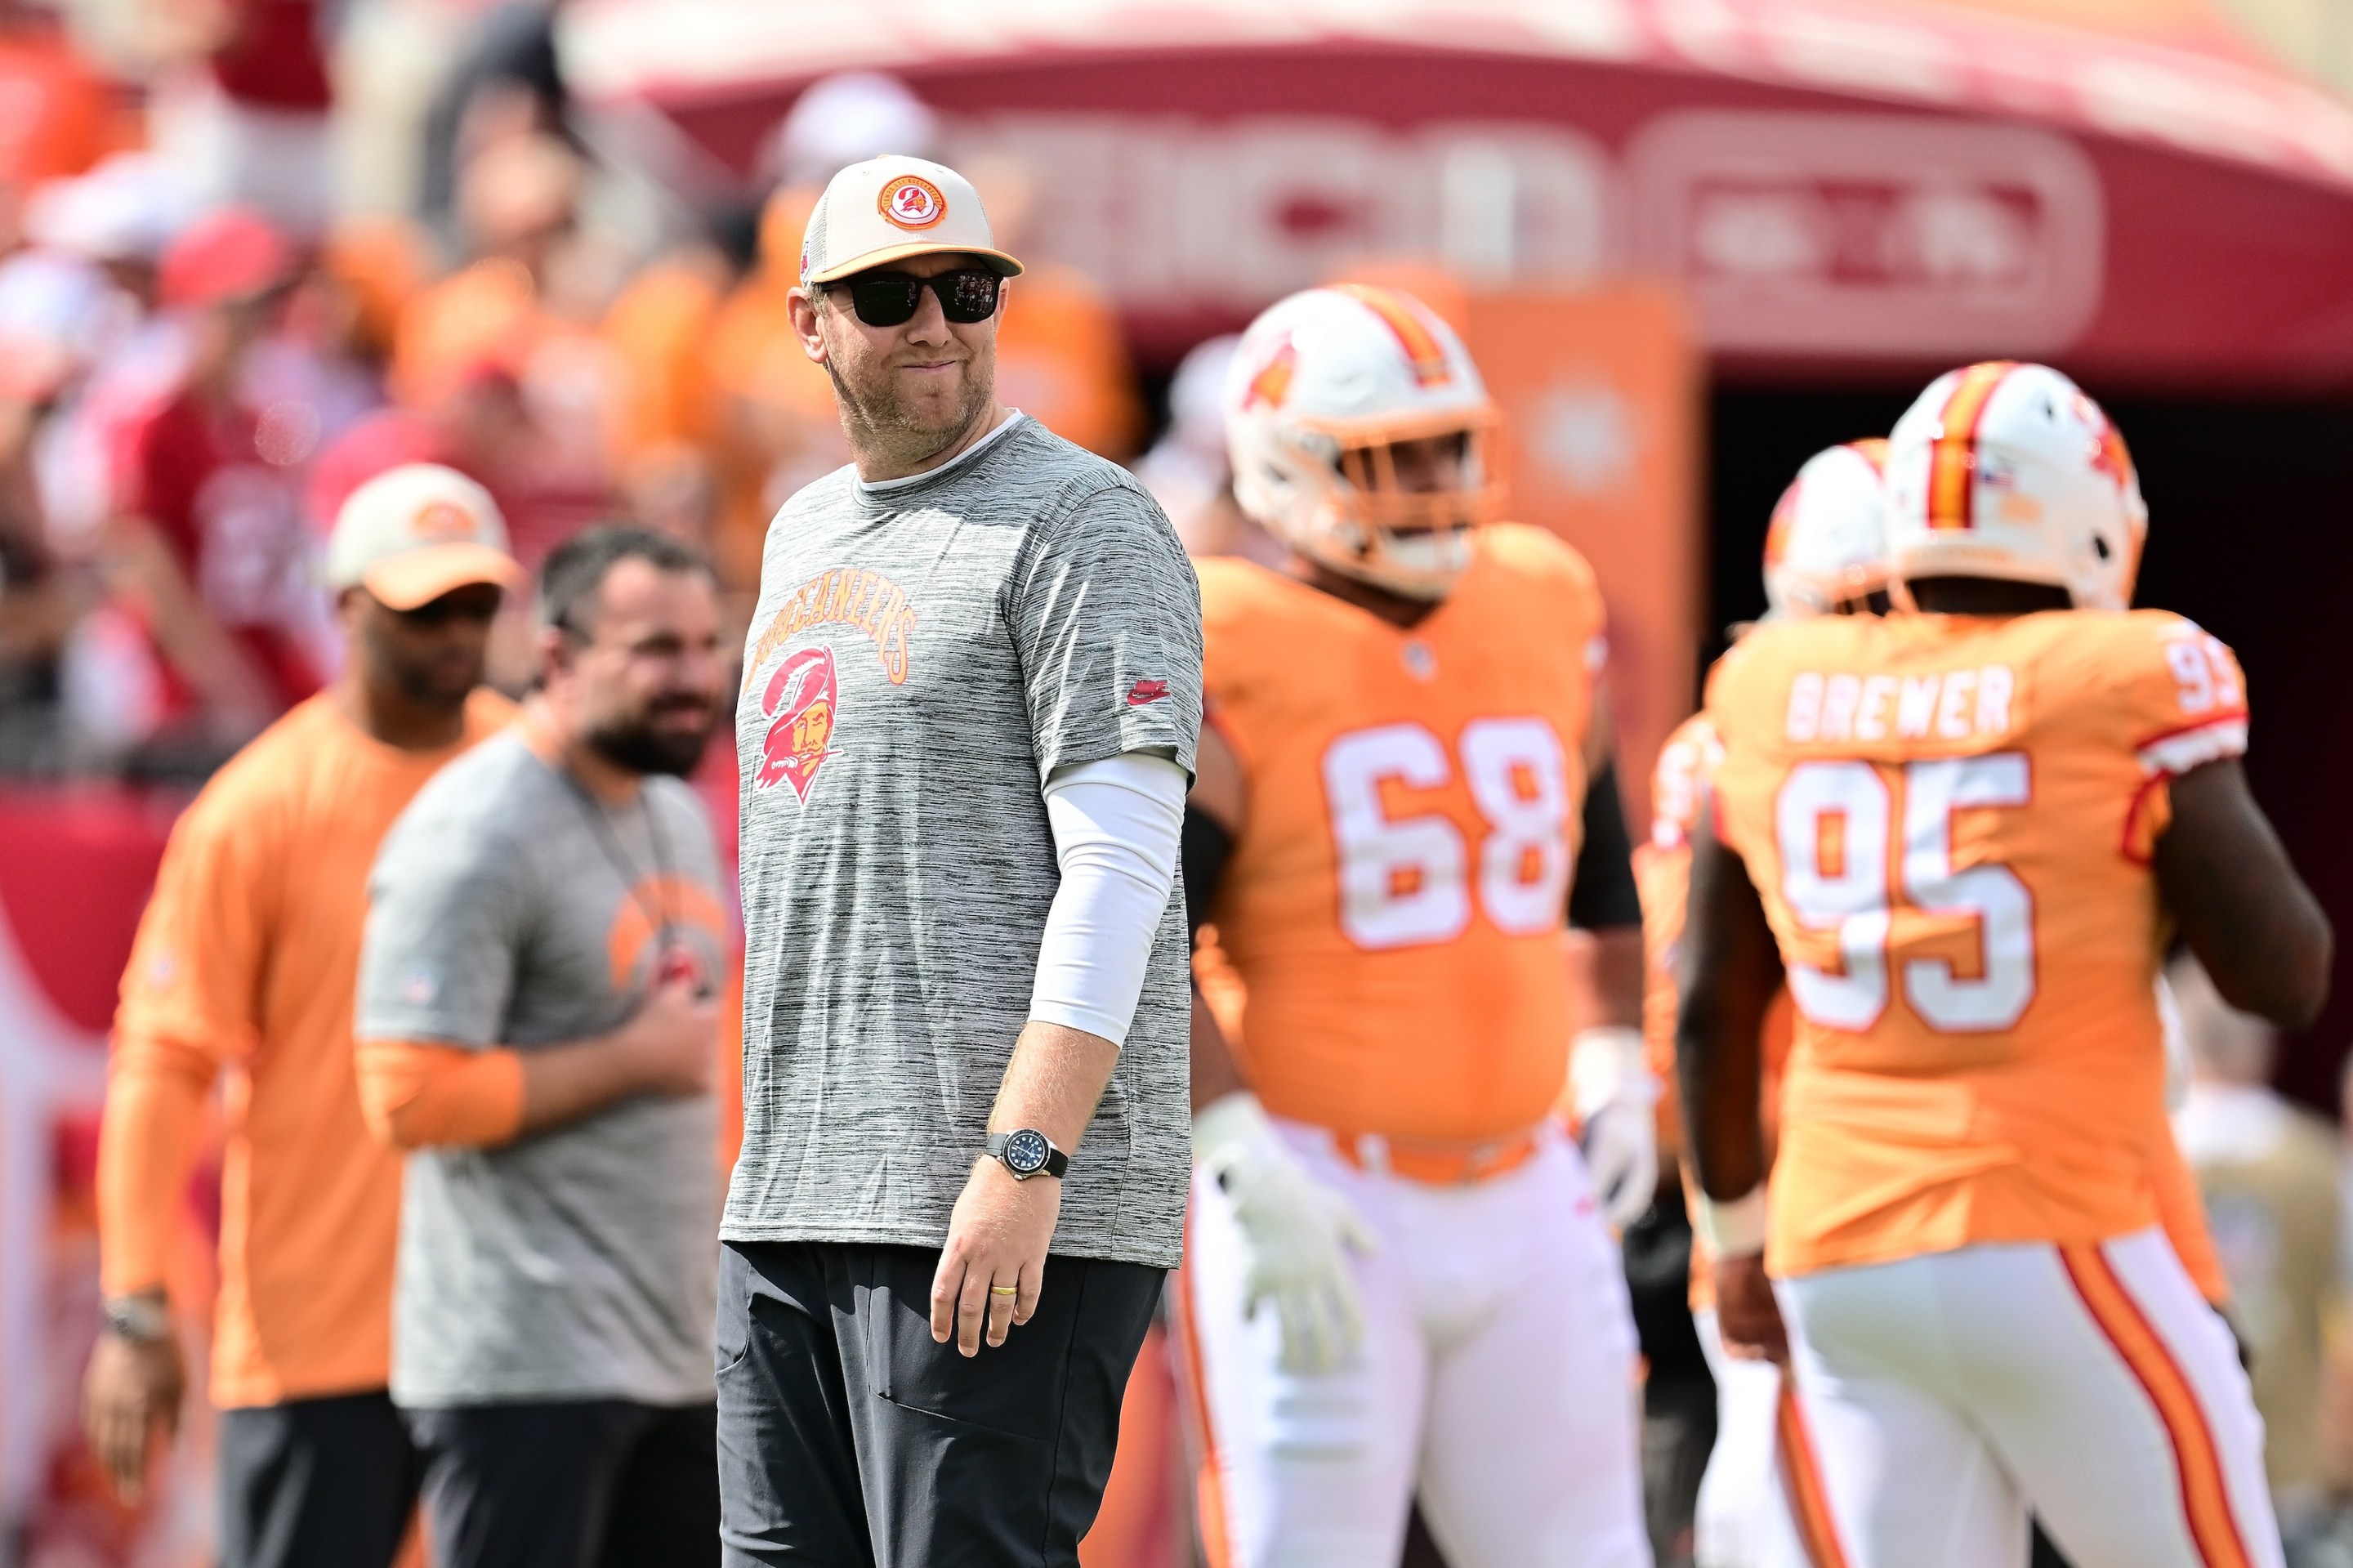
<point x="141" y="1319"/>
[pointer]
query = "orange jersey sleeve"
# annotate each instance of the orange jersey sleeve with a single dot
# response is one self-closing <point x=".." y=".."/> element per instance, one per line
<point x="187" y="1007"/>
<point x="1948" y="820"/>
<point x="1396" y="905"/>
<point x="415" y="1094"/>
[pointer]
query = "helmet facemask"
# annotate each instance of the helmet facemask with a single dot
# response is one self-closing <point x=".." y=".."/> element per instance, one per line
<point x="1394" y="507"/>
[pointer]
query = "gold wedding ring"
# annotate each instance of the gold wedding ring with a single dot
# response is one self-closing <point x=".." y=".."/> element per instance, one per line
<point x="1005" y="1290"/>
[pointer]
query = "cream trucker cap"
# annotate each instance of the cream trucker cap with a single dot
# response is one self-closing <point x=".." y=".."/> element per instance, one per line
<point x="888" y="208"/>
<point x="412" y="533"/>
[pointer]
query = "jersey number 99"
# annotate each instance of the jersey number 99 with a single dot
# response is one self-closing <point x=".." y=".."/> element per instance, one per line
<point x="1832" y="820"/>
<point x="1407" y="881"/>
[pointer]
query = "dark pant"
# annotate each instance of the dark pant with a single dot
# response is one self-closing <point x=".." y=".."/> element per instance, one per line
<point x="590" y="1483"/>
<point x="315" y="1483"/>
<point x="847" y="1439"/>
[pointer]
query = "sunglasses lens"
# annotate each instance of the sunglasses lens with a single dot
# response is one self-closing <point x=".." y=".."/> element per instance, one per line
<point x="968" y="297"/>
<point x="885" y="301"/>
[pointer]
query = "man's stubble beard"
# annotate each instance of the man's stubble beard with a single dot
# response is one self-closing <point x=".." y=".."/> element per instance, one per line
<point x="878" y="422"/>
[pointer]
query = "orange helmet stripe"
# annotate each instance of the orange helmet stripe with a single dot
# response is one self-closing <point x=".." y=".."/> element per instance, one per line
<point x="1875" y="452"/>
<point x="1952" y="461"/>
<point x="1422" y="349"/>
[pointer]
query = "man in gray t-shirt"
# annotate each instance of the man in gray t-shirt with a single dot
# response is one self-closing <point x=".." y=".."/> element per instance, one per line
<point x="546" y="937"/>
<point x="971" y="697"/>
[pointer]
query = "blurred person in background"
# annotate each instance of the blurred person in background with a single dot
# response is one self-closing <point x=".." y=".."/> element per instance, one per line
<point x="248" y="126"/>
<point x="521" y="314"/>
<point x="244" y="970"/>
<point x="1399" y="1276"/>
<point x="2269" y="1172"/>
<point x="1186" y="468"/>
<point x="507" y="82"/>
<point x="205" y="547"/>
<point x="538" y="1027"/>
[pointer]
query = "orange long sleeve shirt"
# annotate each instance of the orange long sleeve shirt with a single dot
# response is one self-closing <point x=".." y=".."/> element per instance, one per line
<point x="243" y="970"/>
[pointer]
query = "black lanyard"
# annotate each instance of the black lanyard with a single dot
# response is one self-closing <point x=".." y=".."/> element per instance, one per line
<point x="657" y="911"/>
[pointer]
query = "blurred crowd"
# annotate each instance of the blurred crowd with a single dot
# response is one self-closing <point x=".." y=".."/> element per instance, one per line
<point x="219" y="314"/>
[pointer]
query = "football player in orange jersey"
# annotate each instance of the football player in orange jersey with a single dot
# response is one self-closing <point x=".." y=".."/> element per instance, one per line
<point x="1825" y="554"/>
<point x="1400" y="1278"/>
<point x="1964" y="836"/>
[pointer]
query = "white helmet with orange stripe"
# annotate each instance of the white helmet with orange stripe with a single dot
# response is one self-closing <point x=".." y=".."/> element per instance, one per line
<point x="1827" y="548"/>
<point x="2009" y="471"/>
<point x="1358" y="430"/>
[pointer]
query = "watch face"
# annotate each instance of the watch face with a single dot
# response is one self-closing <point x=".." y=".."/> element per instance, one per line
<point x="1026" y="1151"/>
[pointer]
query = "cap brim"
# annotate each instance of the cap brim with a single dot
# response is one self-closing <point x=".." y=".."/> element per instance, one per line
<point x="418" y="576"/>
<point x="1002" y="264"/>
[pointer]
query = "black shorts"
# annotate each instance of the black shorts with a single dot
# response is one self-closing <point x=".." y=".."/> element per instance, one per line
<point x="315" y="1483"/>
<point x="848" y="1438"/>
<point x="570" y="1483"/>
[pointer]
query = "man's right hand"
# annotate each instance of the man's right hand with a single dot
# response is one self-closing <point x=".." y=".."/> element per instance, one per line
<point x="1296" y="1235"/>
<point x="132" y="1388"/>
<point x="671" y="1041"/>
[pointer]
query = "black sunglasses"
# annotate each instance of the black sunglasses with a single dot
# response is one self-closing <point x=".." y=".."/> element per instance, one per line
<point x="890" y="298"/>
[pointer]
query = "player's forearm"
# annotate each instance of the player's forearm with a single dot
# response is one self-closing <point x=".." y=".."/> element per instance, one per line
<point x="1730" y="968"/>
<point x="147" y="1136"/>
<point x="1618" y="971"/>
<point x="1053" y="1083"/>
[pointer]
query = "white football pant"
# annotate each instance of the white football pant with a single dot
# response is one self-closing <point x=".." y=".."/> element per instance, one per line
<point x="1947" y="1394"/>
<point x="1745" y="1518"/>
<point x="1497" y="1381"/>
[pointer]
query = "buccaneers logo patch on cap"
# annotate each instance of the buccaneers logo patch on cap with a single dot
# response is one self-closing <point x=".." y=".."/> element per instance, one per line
<point x="441" y="519"/>
<point x="912" y="201"/>
<point x="800" y="702"/>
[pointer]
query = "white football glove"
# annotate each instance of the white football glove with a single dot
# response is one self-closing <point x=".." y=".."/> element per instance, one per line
<point x="1613" y="1091"/>
<point x="1296" y="1234"/>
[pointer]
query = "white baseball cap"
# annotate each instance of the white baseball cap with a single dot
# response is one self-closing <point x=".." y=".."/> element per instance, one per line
<point x="414" y="532"/>
<point x="888" y="208"/>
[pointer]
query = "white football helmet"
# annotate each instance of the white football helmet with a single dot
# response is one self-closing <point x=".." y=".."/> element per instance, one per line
<point x="1826" y="546"/>
<point x="2009" y="471"/>
<point x="1321" y="387"/>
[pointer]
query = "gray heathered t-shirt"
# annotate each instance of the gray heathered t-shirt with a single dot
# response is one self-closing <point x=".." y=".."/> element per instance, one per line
<point x="576" y="1263"/>
<point x="925" y="654"/>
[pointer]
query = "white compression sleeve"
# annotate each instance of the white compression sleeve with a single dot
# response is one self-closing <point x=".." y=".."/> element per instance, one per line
<point x="1116" y="824"/>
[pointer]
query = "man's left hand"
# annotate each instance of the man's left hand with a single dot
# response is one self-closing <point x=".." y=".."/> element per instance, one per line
<point x="997" y="1237"/>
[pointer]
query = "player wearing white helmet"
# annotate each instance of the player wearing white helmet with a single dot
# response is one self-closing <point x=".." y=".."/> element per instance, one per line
<point x="1963" y="837"/>
<point x="1826" y="549"/>
<point x="1399" y="1279"/>
<point x="1825" y="554"/>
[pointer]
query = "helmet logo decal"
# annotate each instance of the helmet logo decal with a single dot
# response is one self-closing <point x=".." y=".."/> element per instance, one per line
<point x="1952" y="460"/>
<point x="1422" y="349"/>
<point x="2109" y="456"/>
<point x="1272" y="385"/>
<point x="912" y="201"/>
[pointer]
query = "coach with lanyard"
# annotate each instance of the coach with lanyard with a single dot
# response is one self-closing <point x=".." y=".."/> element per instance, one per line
<point x="538" y="1022"/>
<point x="970" y="703"/>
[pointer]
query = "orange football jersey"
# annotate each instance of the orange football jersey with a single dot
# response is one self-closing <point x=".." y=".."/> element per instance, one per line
<point x="1949" y="819"/>
<point x="1395" y="903"/>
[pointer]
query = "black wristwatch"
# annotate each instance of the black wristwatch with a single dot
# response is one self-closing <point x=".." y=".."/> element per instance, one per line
<point x="1028" y="1152"/>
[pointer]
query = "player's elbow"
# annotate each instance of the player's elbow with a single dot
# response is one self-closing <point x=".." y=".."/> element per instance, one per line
<point x="2287" y="983"/>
